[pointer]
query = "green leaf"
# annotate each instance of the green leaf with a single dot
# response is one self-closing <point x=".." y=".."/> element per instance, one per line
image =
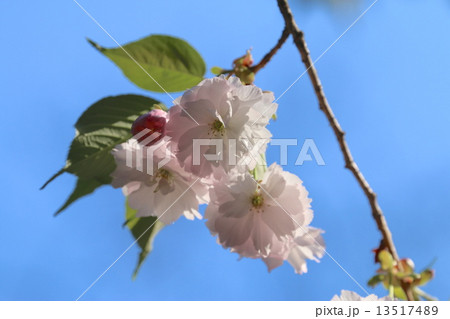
<point x="144" y="230"/>
<point x="84" y="187"/>
<point x="216" y="70"/>
<point x="158" y="63"/>
<point x="101" y="127"/>
<point x="386" y="260"/>
<point x="399" y="293"/>
<point x="375" y="280"/>
<point x="425" y="276"/>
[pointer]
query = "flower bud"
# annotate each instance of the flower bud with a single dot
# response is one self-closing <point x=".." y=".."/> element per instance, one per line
<point x="153" y="121"/>
<point x="406" y="266"/>
<point x="246" y="76"/>
<point x="244" y="61"/>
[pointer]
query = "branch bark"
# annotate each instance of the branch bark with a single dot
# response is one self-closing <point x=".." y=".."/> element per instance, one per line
<point x="271" y="53"/>
<point x="350" y="164"/>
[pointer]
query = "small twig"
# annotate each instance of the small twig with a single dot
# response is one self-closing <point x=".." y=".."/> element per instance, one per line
<point x="271" y="53"/>
<point x="230" y="72"/>
<point x="408" y="291"/>
<point x="266" y="59"/>
<point x="350" y="164"/>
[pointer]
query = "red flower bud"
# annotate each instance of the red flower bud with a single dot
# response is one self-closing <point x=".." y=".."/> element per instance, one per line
<point x="154" y="121"/>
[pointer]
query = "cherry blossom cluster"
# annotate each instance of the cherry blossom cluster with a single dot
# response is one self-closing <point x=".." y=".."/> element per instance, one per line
<point x="347" y="295"/>
<point x="201" y="152"/>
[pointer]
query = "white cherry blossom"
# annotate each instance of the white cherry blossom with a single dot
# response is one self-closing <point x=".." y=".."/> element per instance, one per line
<point x="166" y="192"/>
<point x="347" y="295"/>
<point x="306" y="244"/>
<point x="265" y="219"/>
<point x="225" y="111"/>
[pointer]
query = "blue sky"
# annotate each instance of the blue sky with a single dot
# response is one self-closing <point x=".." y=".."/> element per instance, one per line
<point x="386" y="79"/>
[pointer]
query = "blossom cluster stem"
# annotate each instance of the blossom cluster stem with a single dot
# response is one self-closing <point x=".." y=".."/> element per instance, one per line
<point x="350" y="164"/>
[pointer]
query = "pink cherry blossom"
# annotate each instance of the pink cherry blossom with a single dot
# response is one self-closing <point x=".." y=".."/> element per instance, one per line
<point x="223" y="110"/>
<point x="267" y="219"/>
<point x="347" y="295"/>
<point x="166" y="192"/>
<point x="306" y="244"/>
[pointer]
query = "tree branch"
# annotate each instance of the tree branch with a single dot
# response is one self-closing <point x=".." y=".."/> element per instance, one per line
<point x="350" y="164"/>
<point x="266" y="59"/>
<point x="272" y="52"/>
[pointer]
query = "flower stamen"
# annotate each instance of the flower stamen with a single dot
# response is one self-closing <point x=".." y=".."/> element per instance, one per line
<point x="217" y="127"/>
<point x="163" y="175"/>
<point x="257" y="201"/>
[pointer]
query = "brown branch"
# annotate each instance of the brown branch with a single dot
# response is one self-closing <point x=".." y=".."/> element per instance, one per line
<point x="272" y="52"/>
<point x="266" y="59"/>
<point x="300" y="43"/>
